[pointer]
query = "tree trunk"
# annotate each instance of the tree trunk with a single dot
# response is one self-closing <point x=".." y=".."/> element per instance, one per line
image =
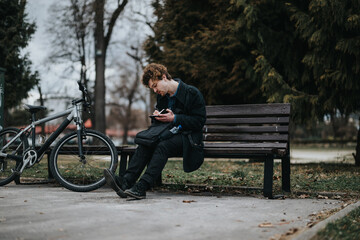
<point x="100" y="123"/>
<point x="357" y="156"/>
<point x="101" y="44"/>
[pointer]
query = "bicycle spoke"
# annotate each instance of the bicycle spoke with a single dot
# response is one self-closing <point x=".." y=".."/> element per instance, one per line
<point x="16" y="148"/>
<point x="83" y="174"/>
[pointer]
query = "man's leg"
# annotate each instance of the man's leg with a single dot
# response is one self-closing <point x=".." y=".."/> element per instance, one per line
<point x="169" y="148"/>
<point x="136" y="165"/>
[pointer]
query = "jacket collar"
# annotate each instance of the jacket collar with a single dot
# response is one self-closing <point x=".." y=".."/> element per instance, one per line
<point x="181" y="92"/>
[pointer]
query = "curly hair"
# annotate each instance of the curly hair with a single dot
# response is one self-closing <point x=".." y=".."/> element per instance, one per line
<point x="154" y="72"/>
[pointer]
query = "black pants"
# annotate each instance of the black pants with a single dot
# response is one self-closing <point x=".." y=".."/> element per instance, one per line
<point x="155" y="158"/>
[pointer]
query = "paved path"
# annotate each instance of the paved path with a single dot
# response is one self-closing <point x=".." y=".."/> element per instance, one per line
<point x="50" y="212"/>
<point x="325" y="155"/>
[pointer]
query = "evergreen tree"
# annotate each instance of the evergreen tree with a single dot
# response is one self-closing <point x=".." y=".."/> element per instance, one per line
<point x="197" y="41"/>
<point x="333" y="56"/>
<point x="303" y="52"/>
<point x="279" y="51"/>
<point x="316" y="65"/>
<point x="15" y="32"/>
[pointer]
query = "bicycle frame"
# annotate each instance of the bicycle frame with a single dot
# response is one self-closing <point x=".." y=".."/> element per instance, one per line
<point x="74" y="113"/>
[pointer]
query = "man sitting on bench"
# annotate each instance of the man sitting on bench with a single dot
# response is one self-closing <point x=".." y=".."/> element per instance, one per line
<point x="185" y="106"/>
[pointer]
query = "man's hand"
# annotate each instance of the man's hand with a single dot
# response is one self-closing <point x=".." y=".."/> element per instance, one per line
<point x="166" y="117"/>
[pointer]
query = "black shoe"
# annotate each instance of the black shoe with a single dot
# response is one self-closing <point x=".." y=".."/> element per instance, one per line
<point x="111" y="181"/>
<point x="138" y="191"/>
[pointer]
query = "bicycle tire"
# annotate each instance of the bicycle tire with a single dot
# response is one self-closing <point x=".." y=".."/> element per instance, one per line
<point x="79" y="175"/>
<point x="7" y="165"/>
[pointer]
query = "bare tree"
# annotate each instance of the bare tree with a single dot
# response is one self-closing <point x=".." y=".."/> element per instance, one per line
<point x="102" y="38"/>
<point x="126" y="92"/>
<point x="89" y="22"/>
<point x="70" y="29"/>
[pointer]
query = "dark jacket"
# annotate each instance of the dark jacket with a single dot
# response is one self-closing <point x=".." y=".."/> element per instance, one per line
<point x="191" y="115"/>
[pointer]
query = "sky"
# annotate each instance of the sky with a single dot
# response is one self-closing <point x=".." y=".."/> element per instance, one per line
<point x="38" y="12"/>
<point x="53" y="79"/>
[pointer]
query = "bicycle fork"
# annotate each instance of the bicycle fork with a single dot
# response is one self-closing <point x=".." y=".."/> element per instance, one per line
<point x="80" y="133"/>
<point x="80" y="136"/>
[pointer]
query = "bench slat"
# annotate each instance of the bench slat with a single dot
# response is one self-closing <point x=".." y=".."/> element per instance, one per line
<point x="246" y="129"/>
<point x="234" y="121"/>
<point x="244" y="145"/>
<point x="243" y="152"/>
<point x="246" y="137"/>
<point x="274" y="109"/>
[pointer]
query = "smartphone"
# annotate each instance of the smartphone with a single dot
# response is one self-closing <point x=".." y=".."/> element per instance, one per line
<point x="161" y="112"/>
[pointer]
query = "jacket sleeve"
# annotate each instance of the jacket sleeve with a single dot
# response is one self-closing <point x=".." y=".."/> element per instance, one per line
<point x="195" y="115"/>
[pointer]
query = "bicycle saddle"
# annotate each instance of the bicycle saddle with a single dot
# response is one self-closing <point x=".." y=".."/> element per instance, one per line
<point x="33" y="109"/>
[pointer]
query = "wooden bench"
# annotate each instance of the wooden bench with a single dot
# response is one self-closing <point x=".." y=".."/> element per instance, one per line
<point x="251" y="131"/>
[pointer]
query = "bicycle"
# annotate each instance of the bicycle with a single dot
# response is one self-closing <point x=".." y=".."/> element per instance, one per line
<point x="77" y="160"/>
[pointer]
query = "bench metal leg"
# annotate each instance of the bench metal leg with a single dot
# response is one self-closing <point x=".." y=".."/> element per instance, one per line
<point x="268" y="177"/>
<point x="50" y="176"/>
<point x="123" y="164"/>
<point x="285" y="169"/>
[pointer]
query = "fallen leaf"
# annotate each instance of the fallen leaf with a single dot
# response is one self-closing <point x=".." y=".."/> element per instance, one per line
<point x="283" y="223"/>
<point x="291" y="231"/>
<point x="2" y="219"/>
<point x="312" y="214"/>
<point x="190" y="190"/>
<point x="302" y="196"/>
<point x="276" y="177"/>
<point x="322" y="197"/>
<point x="310" y="224"/>
<point x="188" y="201"/>
<point x="266" y="225"/>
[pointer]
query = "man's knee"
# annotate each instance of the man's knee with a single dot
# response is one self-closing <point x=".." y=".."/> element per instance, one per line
<point x="161" y="146"/>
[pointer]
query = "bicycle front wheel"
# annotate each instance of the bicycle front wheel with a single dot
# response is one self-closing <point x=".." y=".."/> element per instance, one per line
<point x="17" y="148"/>
<point x="83" y="174"/>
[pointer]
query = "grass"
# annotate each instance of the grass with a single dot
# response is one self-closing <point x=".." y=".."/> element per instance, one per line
<point x="343" y="178"/>
<point x="346" y="228"/>
<point x="315" y="177"/>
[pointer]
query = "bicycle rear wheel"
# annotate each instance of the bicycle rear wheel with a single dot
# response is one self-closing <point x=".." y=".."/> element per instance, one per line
<point x="7" y="165"/>
<point x="83" y="175"/>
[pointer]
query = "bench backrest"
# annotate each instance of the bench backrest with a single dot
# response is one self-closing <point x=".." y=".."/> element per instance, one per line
<point x="253" y="126"/>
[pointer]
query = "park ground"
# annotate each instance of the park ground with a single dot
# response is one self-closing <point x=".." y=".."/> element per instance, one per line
<point x="212" y="203"/>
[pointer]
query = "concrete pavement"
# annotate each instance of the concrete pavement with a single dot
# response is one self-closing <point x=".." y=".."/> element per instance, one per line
<point x="52" y="212"/>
